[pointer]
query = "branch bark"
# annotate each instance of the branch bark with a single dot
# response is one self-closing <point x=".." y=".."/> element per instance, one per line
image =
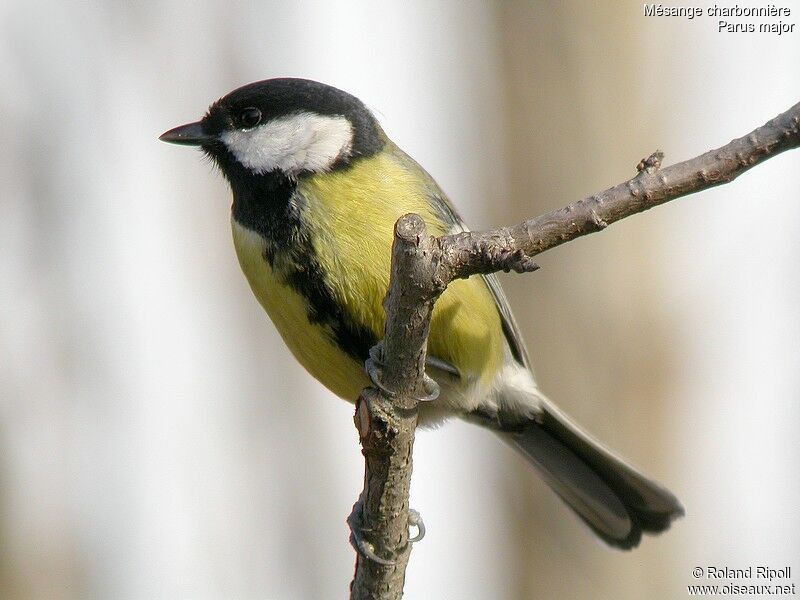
<point x="386" y="421"/>
<point x="422" y="267"/>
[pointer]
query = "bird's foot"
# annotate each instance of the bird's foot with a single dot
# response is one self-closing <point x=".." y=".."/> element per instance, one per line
<point x="365" y="547"/>
<point x="374" y="366"/>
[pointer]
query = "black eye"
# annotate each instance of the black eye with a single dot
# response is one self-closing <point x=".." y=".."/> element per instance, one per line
<point x="250" y="117"/>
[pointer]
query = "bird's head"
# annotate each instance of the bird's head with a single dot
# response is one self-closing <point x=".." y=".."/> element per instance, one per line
<point x="293" y="127"/>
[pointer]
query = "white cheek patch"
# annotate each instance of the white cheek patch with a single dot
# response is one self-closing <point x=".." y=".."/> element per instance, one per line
<point x="292" y="144"/>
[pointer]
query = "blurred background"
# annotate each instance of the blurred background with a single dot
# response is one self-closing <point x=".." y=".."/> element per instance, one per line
<point x="156" y="439"/>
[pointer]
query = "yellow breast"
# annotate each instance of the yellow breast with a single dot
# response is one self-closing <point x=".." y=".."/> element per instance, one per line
<point x="354" y="225"/>
<point x="351" y="228"/>
<point x="310" y="344"/>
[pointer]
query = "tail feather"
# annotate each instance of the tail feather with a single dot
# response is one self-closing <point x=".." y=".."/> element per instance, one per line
<point x="617" y="502"/>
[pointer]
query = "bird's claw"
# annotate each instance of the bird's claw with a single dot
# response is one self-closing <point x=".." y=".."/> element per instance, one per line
<point x="415" y="520"/>
<point x="366" y="549"/>
<point x="431" y="389"/>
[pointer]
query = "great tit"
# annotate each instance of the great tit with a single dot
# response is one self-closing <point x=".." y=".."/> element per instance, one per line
<point x="317" y="187"/>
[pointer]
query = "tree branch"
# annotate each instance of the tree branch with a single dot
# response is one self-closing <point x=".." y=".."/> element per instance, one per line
<point x="386" y="421"/>
<point x="422" y="267"/>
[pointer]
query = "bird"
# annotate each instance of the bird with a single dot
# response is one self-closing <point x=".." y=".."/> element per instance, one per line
<point x="317" y="188"/>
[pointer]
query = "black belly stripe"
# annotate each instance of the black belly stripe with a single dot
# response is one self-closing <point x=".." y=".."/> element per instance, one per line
<point x="270" y="206"/>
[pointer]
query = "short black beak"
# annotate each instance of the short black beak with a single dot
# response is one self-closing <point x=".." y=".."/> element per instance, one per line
<point x="191" y="134"/>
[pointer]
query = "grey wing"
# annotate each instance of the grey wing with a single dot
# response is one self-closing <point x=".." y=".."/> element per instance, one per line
<point x="510" y="327"/>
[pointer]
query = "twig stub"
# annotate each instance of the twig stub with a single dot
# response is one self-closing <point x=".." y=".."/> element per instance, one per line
<point x="652" y="163"/>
